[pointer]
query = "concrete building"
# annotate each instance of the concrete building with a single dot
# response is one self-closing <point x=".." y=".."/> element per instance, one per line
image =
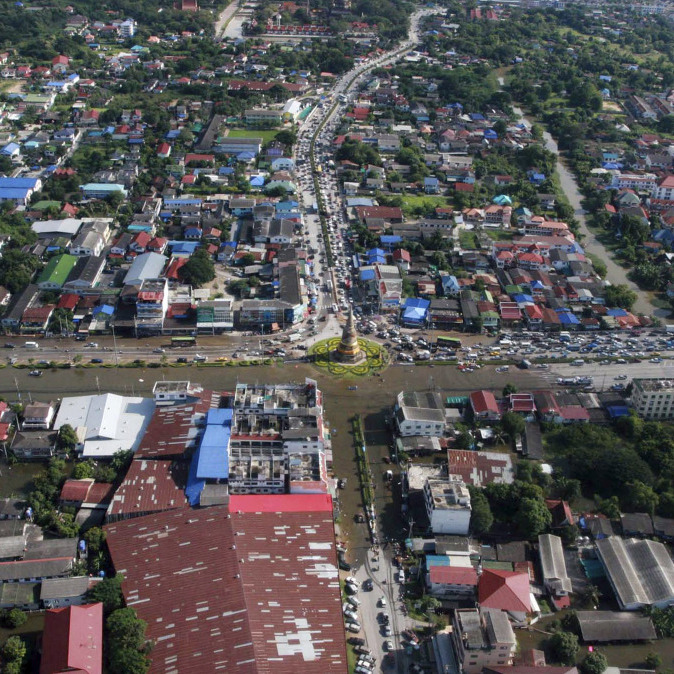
<point x="419" y="414"/>
<point x="448" y="505"/>
<point x="553" y="565"/>
<point x="653" y="398"/>
<point x="215" y="316"/>
<point x="482" y="638"/>
<point x="151" y="306"/>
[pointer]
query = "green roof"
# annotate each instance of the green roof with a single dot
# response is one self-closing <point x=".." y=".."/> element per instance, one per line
<point x="20" y="593"/>
<point x="456" y="401"/>
<point x="44" y="205"/>
<point x="57" y="269"/>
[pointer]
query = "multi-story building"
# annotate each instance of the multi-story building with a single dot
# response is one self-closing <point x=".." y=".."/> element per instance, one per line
<point x="214" y="316"/>
<point x="127" y="28"/>
<point x="419" y="414"/>
<point x="482" y="638"/>
<point x="448" y="505"/>
<point x="653" y="398"/>
<point x="151" y="306"/>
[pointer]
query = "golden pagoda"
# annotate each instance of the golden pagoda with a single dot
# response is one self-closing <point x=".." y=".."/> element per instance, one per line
<point x="349" y="350"/>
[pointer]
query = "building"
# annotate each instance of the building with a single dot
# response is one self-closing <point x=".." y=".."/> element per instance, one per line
<point x="484" y="406"/>
<point x="73" y="640"/>
<point x="452" y="582"/>
<point x="419" y="414"/>
<point x="152" y="303"/>
<point x="102" y="190"/>
<point x="598" y="627"/>
<point x="62" y="592"/>
<point x="127" y="28"/>
<point x="653" y="398"/>
<point x="19" y="190"/>
<point x="56" y="272"/>
<point x="38" y="416"/>
<point x="215" y="316"/>
<point x="448" y="505"/>
<point x="505" y="590"/>
<point x="262" y="117"/>
<point x="480" y="468"/>
<point x="259" y="576"/>
<point x="145" y="266"/>
<point x="105" y="423"/>
<point x="641" y="572"/>
<point x="482" y="638"/>
<point x="34" y="445"/>
<point x="553" y="565"/>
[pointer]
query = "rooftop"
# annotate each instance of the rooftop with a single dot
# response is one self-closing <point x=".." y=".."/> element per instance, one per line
<point x="608" y="626"/>
<point x="247" y="589"/>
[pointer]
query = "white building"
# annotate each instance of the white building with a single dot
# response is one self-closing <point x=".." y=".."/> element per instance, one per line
<point x="105" y="423"/>
<point x="448" y="505"/>
<point x="420" y="414"/>
<point x="653" y="398"/>
<point x="127" y="28"/>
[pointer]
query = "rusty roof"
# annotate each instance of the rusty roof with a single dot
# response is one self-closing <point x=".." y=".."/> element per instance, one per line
<point x="241" y="593"/>
<point x="150" y="486"/>
<point x="174" y="428"/>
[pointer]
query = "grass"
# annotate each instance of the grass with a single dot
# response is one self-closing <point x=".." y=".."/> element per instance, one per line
<point x="500" y="234"/>
<point x="423" y="202"/>
<point x="267" y="135"/>
<point x="468" y="239"/>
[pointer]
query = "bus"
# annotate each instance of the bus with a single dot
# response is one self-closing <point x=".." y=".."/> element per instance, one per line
<point x="451" y="342"/>
<point x="183" y="341"/>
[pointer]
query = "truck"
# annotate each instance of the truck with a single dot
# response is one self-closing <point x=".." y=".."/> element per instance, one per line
<point x="295" y="337"/>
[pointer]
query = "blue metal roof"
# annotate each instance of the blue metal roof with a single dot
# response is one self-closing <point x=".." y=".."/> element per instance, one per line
<point x="21" y="183"/>
<point x="194" y="485"/>
<point x="417" y="303"/>
<point x="220" y="417"/>
<point x="437" y="560"/>
<point x="367" y="275"/>
<point x="616" y="312"/>
<point x="213" y="462"/>
<point x="567" y="318"/>
<point x="13" y="192"/>
<point x="390" y="238"/>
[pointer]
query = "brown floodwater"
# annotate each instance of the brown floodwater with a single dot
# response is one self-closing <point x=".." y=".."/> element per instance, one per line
<point x="373" y="400"/>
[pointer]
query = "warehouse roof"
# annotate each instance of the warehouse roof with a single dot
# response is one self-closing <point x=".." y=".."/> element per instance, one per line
<point x="553" y="564"/>
<point x="641" y="572"/>
<point x="600" y="626"/>
<point x="245" y="591"/>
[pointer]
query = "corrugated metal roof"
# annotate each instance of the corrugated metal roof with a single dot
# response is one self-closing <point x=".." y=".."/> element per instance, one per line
<point x="240" y="592"/>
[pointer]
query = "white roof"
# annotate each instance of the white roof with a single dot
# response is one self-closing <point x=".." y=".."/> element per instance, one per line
<point x="108" y="422"/>
<point x="69" y="226"/>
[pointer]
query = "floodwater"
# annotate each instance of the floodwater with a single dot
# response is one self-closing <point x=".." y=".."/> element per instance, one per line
<point x="373" y="400"/>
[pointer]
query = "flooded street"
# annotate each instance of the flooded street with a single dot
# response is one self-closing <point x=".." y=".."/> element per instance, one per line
<point x="373" y="399"/>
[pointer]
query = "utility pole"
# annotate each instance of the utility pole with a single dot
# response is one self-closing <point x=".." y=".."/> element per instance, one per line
<point x="114" y="345"/>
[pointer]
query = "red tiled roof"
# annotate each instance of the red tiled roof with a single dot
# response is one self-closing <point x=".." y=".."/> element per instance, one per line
<point x="453" y="575"/>
<point x="561" y="512"/>
<point x="505" y="590"/>
<point x="100" y="493"/>
<point x="245" y="592"/>
<point x="73" y="640"/>
<point x="483" y="401"/>
<point x="68" y="301"/>
<point x="479" y="468"/>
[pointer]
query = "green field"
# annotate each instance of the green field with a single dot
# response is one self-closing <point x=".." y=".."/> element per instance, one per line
<point x="267" y="135"/>
<point x="427" y="203"/>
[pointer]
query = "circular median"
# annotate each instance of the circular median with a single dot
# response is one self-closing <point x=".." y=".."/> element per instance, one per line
<point x="322" y="356"/>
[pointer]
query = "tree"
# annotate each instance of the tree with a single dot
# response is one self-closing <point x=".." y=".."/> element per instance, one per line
<point x="563" y="647"/>
<point x="653" y="660"/>
<point x="95" y="537"/>
<point x="608" y="506"/>
<point x="84" y="470"/>
<point x="512" y="424"/>
<point x="639" y="497"/>
<point x="481" y="517"/>
<point x="67" y="439"/>
<point x="14" y="649"/>
<point x="620" y="296"/>
<point x="120" y="462"/>
<point x="128" y="661"/>
<point x="508" y="389"/>
<point x="108" y="592"/>
<point x="13" y="618"/>
<point x="126" y="629"/>
<point x="593" y="663"/>
<point x="532" y="517"/>
<point x="198" y="270"/>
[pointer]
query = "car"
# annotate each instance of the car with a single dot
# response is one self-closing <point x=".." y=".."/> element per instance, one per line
<point x="223" y="359"/>
<point x="35" y="373"/>
<point x="350" y="580"/>
<point x="158" y="350"/>
<point x="382" y="601"/>
<point x="387" y="646"/>
<point x="368" y="584"/>
<point x="9" y="345"/>
<point x="353" y="627"/>
<point x="97" y="360"/>
<point x="181" y="360"/>
<point x="620" y="377"/>
<point x="356" y="641"/>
